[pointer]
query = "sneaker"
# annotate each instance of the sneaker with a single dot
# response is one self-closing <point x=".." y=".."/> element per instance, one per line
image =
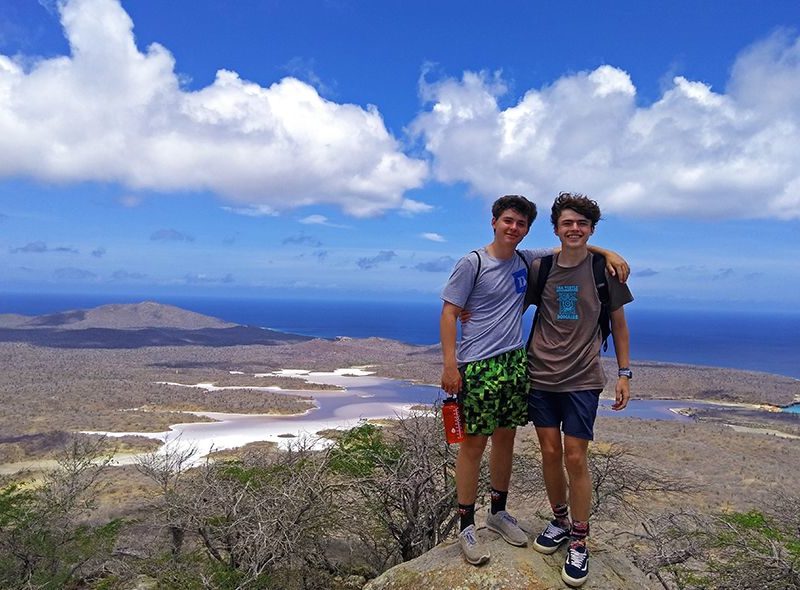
<point x="551" y="538"/>
<point x="471" y="548"/>
<point x="576" y="567"/>
<point x="506" y="526"/>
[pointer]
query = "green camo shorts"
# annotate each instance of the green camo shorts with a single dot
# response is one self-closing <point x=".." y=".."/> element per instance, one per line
<point x="494" y="393"/>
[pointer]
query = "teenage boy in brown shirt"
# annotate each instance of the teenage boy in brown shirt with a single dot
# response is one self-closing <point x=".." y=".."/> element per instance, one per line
<point x="565" y="376"/>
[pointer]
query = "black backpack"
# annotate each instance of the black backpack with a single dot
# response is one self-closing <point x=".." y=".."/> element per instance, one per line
<point x="534" y="296"/>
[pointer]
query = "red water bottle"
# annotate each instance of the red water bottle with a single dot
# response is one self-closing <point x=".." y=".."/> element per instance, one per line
<point x="453" y="422"/>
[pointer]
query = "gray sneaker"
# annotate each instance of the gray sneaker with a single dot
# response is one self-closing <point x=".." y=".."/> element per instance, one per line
<point x="471" y="548"/>
<point x="506" y="526"/>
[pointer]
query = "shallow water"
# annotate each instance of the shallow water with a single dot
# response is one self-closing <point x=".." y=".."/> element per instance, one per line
<point x="365" y="397"/>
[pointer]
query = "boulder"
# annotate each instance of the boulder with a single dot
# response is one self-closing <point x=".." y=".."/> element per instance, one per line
<point x="510" y="568"/>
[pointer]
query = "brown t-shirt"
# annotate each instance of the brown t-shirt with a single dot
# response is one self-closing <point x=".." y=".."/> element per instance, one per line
<point x="564" y="354"/>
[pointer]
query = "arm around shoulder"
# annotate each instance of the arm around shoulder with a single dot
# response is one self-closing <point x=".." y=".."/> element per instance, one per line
<point x="615" y="264"/>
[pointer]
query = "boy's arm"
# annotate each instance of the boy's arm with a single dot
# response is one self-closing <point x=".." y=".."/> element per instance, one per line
<point x="615" y="264"/>
<point x="451" y="378"/>
<point x="622" y="346"/>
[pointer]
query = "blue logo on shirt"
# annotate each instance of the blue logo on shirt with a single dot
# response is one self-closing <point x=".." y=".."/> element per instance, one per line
<point x="567" y="302"/>
<point x="520" y="280"/>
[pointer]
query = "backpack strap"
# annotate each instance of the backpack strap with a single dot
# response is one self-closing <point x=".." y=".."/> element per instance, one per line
<point x="534" y="293"/>
<point x="601" y="284"/>
<point x="477" y="272"/>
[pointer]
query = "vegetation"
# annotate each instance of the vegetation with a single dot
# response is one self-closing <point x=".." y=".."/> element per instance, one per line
<point x="309" y="518"/>
<point x="46" y="537"/>
<point x="727" y="551"/>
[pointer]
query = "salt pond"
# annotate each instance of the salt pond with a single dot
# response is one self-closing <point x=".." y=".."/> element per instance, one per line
<point x="363" y="397"/>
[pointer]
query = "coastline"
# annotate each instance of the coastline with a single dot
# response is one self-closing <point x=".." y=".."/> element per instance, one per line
<point x="277" y="433"/>
<point x="138" y="390"/>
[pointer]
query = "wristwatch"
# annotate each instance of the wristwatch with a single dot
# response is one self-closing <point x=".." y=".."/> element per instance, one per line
<point x="625" y="372"/>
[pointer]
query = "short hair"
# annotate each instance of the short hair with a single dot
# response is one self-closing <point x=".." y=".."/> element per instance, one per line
<point x="516" y="202"/>
<point x="577" y="202"/>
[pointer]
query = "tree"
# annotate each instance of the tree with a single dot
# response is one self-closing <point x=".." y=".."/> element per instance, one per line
<point x="267" y="516"/>
<point x="166" y="467"/>
<point x="620" y="485"/>
<point x="46" y="539"/>
<point x="402" y="487"/>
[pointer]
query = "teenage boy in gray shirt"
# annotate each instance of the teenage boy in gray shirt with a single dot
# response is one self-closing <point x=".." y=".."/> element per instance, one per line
<point x="487" y="368"/>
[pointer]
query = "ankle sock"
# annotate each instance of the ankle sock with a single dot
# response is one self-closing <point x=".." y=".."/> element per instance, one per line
<point x="498" y="500"/>
<point x="580" y="530"/>
<point x="466" y="513"/>
<point x="561" y="515"/>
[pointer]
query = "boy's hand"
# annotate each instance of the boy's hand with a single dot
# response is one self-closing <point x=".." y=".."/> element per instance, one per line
<point x="464" y="316"/>
<point x="623" y="392"/>
<point x="617" y="267"/>
<point x="451" y="380"/>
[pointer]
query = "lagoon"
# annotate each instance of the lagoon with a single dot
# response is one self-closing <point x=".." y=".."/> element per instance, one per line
<point x="363" y="397"/>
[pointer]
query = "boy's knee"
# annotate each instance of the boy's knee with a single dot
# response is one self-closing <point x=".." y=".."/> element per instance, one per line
<point x="575" y="460"/>
<point x="472" y="448"/>
<point x="551" y="453"/>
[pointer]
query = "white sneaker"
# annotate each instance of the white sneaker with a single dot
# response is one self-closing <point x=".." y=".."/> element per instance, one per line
<point x="506" y="526"/>
<point x="471" y="548"/>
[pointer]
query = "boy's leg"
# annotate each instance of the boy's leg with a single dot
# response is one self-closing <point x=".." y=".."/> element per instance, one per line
<point x="546" y="411"/>
<point x="468" y="465"/>
<point x="509" y="394"/>
<point x="557" y="531"/>
<point x="576" y="459"/>
<point x="580" y="412"/>
<point x="500" y="460"/>
<point x="552" y="464"/>
<point x="501" y="456"/>
<point x="578" y="431"/>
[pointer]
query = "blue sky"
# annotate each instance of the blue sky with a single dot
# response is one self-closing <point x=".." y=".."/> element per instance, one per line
<point x="352" y="149"/>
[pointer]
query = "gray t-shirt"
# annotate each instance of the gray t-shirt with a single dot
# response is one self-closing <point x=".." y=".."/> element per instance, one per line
<point x="564" y="353"/>
<point x="496" y="302"/>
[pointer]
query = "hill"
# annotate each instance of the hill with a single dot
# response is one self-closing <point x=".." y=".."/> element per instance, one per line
<point x="134" y="326"/>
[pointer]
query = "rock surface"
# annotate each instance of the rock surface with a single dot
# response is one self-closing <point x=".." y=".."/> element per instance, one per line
<point x="510" y="568"/>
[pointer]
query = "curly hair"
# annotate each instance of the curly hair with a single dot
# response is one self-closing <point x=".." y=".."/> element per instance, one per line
<point x="577" y="202"/>
<point x="516" y="202"/>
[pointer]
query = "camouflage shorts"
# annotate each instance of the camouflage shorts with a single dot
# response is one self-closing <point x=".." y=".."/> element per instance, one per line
<point x="494" y="393"/>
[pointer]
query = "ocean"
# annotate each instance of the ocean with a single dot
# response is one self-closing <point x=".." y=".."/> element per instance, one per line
<point x="763" y="341"/>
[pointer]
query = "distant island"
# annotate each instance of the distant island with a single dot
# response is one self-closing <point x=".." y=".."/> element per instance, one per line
<point x="134" y="326"/>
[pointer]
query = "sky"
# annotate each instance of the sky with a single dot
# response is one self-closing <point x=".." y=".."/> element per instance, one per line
<point x="351" y="149"/>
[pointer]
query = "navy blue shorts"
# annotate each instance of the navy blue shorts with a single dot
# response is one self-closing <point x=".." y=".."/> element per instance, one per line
<point x="573" y="411"/>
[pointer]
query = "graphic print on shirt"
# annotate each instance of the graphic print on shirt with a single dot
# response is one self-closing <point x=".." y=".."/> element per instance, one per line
<point x="520" y="280"/>
<point x="567" y="302"/>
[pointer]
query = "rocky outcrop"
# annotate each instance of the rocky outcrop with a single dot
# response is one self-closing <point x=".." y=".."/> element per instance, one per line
<point x="510" y="568"/>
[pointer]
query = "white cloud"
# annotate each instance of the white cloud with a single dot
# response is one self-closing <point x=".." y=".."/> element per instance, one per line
<point x="315" y="220"/>
<point x="694" y="152"/>
<point x="320" y="220"/>
<point x="411" y="207"/>
<point x="433" y="237"/>
<point x="109" y="112"/>
<point x="257" y="211"/>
